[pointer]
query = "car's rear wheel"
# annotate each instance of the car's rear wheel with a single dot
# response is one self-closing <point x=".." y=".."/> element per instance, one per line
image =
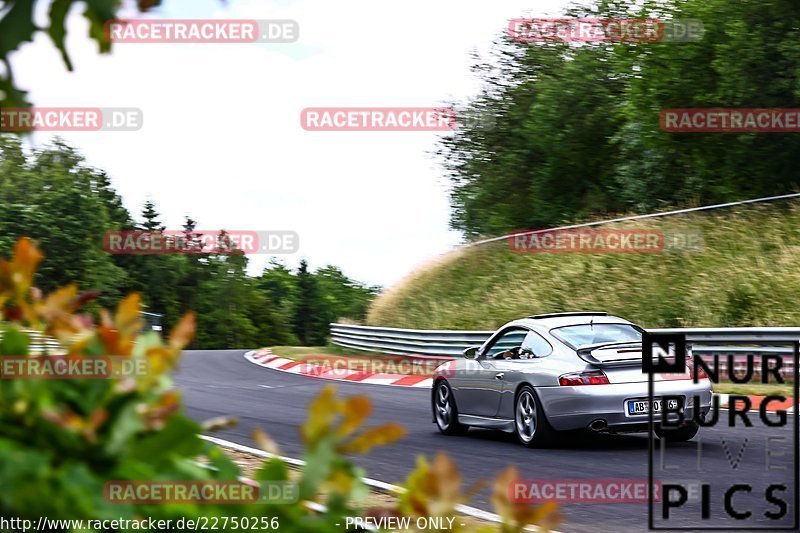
<point x="530" y="424"/>
<point x="681" y="434"/>
<point x="445" y="411"/>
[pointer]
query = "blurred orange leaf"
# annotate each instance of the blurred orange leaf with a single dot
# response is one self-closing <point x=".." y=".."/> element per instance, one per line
<point x="156" y="415"/>
<point x="378" y="436"/>
<point x="127" y="319"/>
<point x="321" y="413"/>
<point x="356" y="411"/>
<point x="23" y="265"/>
<point x="433" y="489"/>
<point x="518" y="515"/>
<point x="265" y="442"/>
<point x="159" y="360"/>
<point x="183" y="332"/>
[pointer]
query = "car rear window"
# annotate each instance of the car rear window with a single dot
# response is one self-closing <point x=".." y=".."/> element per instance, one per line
<point x="581" y="335"/>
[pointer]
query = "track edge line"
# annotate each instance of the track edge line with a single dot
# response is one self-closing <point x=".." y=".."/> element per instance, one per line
<point x="376" y="484"/>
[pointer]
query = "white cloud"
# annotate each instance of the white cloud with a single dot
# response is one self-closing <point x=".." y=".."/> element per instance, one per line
<point x="222" y="139"/>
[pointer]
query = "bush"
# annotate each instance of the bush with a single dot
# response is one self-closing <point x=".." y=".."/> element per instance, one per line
<point x="62" y="440"/>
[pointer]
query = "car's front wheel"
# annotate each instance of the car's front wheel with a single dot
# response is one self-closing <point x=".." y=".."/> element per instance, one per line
<point x="530" y="424"/>
<point x="681" y="434"/>
<point x="445" y="411"/>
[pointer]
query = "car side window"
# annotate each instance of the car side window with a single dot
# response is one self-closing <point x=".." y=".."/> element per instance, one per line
<point x="534" y="345"/>
<point x="510" y="340"/>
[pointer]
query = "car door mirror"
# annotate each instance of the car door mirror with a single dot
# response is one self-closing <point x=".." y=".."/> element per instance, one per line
<point x="471" y="352"/>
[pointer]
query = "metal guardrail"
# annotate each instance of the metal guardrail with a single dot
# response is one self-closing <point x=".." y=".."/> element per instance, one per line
<point x="707" y="342"/>
<point x="640" y="217"/>
<point x="406" y="341"/>
<point x="40" y="343"/>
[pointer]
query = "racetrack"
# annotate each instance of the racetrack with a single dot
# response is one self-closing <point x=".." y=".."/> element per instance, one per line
<point x="218" y="383"/>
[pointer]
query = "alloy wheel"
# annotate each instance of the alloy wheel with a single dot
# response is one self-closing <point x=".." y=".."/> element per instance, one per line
<point x="526" y="416"/>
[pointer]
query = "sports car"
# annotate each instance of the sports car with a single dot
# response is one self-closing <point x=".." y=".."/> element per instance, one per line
<point x="552" y="373"/>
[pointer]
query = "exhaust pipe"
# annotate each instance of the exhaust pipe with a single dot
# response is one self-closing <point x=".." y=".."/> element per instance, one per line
<point x="598" y="425"/>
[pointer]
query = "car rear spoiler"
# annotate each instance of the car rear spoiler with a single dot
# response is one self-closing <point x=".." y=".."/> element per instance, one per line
<point x="590" y="355"/>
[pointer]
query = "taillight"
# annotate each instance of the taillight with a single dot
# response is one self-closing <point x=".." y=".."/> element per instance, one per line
<point x="593" y="377"/>
<point x="701" y="373"/>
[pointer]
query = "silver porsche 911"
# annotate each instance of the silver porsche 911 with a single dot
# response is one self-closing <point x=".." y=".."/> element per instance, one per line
<point x="564" y="371"/>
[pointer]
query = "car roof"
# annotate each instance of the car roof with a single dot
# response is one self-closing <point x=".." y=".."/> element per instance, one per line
<point x="557" y="320"/>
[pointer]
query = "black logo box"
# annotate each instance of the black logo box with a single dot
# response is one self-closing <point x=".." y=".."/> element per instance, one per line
<point x="677" y="365"/>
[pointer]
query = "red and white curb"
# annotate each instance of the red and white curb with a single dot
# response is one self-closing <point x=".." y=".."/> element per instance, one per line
<point x="267" y="359"/>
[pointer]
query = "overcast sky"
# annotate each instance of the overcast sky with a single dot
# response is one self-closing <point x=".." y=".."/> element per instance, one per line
<point x="222" y="140"/>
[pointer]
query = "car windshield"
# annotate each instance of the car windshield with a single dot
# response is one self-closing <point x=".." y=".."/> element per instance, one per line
<point x="581" y="335"/>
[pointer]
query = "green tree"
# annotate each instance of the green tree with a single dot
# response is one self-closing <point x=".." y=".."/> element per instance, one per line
<point x="156" y="276"/>
<point x="749" y="57"/>
<point x="342" y="297"/>
<point x="55" y="198"/>
<point x="195" y="272"/>
<point x="223" y="302"/>
<point x="270" y="328"/>
<point x="151" y="218"/>
<point x="575" y="129"/>
<point x="309" y="320"/>
<point x="278" y="285"/>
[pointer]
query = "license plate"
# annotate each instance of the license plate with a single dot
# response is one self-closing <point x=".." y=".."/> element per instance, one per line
<point x="641" y="407"/>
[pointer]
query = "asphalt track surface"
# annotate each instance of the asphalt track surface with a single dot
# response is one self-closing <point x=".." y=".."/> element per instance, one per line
<point x="218" y="383"/>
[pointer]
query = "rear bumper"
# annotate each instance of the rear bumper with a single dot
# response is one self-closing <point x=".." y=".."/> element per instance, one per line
<point x="569" y="408"/>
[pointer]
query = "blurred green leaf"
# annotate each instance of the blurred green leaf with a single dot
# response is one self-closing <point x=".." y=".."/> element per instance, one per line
<point x="58" y="28"/>
<point x="16" y="26"/>
<point x="13" y="342"/>
<point x="98" y="13"/>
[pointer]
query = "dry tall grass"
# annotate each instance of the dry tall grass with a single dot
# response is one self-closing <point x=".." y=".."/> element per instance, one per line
<point x="746" y="275"/>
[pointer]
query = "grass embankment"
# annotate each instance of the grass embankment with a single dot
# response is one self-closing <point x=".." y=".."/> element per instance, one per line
<point x="301" y="353"/>
<point x="755" y="389"/>
<point x="746" y="275"/>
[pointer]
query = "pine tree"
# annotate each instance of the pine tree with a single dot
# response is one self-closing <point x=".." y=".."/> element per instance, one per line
<point x="151" y="218"/>
<point x="305" y="318"/>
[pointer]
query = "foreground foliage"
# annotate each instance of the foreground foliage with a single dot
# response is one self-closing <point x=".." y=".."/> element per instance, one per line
<point x="62" y="440"/>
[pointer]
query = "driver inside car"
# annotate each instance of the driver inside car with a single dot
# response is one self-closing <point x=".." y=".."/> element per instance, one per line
<point x="511" y="353"/>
